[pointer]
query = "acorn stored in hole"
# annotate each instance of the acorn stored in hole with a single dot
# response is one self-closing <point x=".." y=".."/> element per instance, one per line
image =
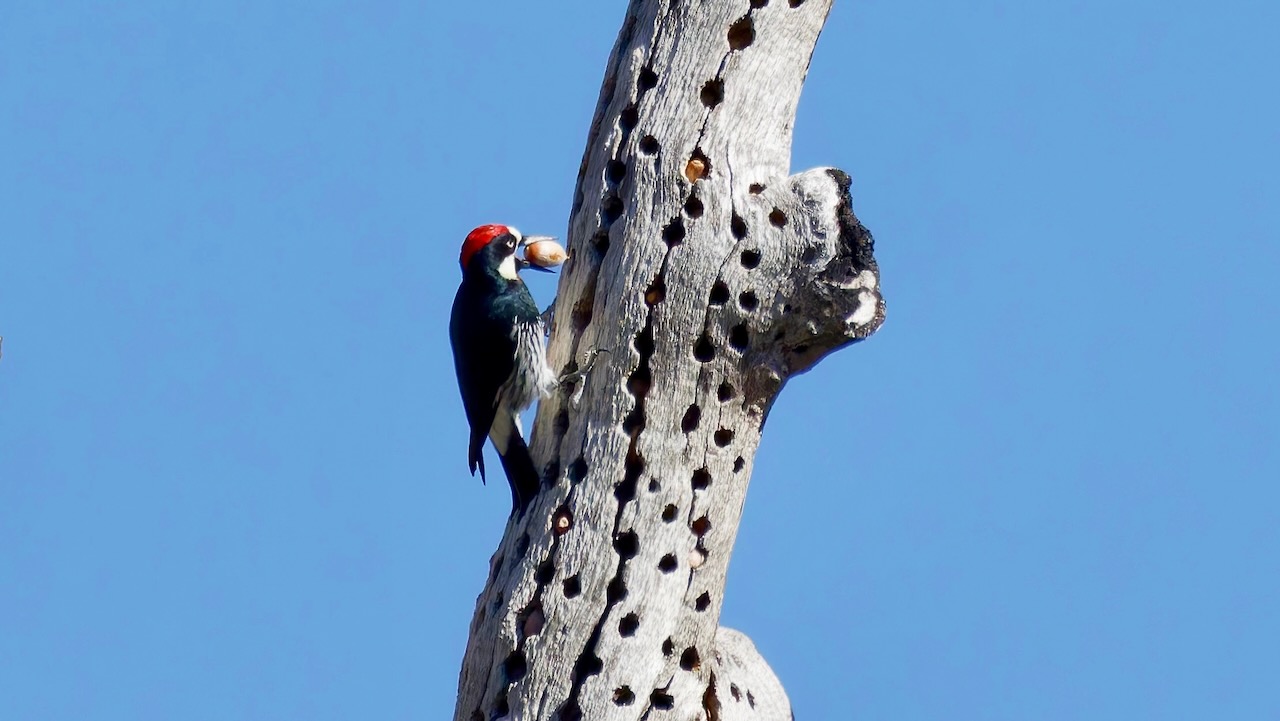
<point x="545" y="253"/>
<point x="696" y="169"/>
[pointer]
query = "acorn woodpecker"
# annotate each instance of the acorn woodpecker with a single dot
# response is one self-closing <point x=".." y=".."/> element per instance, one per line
<point x="497" y="336"/>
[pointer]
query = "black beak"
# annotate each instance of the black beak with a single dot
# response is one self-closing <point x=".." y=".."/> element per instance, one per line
<point x="531" y="266"/>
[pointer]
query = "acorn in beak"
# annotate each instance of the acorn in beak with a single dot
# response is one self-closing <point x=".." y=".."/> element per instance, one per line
<point x="542" y="252"/>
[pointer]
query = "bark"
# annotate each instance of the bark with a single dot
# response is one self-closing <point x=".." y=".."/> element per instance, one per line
<point x="711" y="276"/>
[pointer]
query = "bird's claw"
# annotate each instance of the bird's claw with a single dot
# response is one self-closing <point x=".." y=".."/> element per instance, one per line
<point x="547" y="317"/>
<point x="573" y="377"/>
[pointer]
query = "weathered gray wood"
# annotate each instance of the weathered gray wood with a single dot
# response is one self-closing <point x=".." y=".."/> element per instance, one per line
<point x="743" y="684"/>
<point x="711" y="276"/>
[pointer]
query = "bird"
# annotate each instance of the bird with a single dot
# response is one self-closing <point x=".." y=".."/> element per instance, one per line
<point x="496" y="333"/>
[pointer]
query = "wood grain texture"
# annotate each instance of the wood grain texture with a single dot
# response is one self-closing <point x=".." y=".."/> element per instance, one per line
<point x="711" y="276"/>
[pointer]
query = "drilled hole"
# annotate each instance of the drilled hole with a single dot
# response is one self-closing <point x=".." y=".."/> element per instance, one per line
<point x="669" y="513"/>
<point x="628" y="625"/>
<point x="588" y="665"/>
<point x="623" y="696"/>
<point x="795" y="3"/>
<point x="662" y="700"/>
<point x="546" y="571"/>
<point x="723" y="437"/>
<point x="698" y="166"/>
<point x="627" y="545"/>
<point x="610" y="209"/>
<point x="656" y="292"/>
<point x="501" y="708"/>
<point x="733" y="690"/>
<point x="719" y="293"/>
<point x="689" y="423"/>
<point x="703" y="602"/>
<point x="572" y="586"/>
<point x="700" y="526"/>
<point x="712" y="92"/>
<point x="701" y="479"/>
<point x="667" y="563"/>
<point x="693" y="207"/>
<point x="615" y="171"/>
<point x="750" y="259"/>
<point x="751" y="700"/>
<point x="690" y="660"/>
<point x="582" y="310"/>
<point x="649" y="145"/>
<point x="515" y="666"/>
<point x="703" y="350"/>
<point x="600" y="241"/>
<point x="725" y="392"/>
<point x="748" y="301"/>
<point x="638" y="383"/>
<point x="624" y="492"/>
<point x="738" y="226"/>
<point x="739" y="337"/>
<point x="777" y="217"/>
<point x="759" y="3"/>
<point x="673" y="234"/>
<point x="647" y="79"/>
<point x="756" y="188"/>
<point x="616" y="591"/>
<point x="628" y="118"/>
<point x="738" y="464"/>
<point x="644" y="342"/>
<point x="654" y="486"/>
<point x="531" y="618"/>
<point x="633" y="467"/>
<point x="699" y="555"/>
<point x="742" y="33"/>
<point x="578" y="470"/>
<point x="562" y="520"/>
<point x="668" y="647"/>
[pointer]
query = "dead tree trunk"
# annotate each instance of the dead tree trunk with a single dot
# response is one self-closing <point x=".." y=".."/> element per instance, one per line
<point x="711" y="276"/>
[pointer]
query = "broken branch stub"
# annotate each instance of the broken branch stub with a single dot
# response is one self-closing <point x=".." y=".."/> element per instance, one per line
<point x="711" y="276"/>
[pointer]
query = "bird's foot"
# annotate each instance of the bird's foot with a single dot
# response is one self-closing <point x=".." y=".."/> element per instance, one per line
<point x="547" y="316"/>
<point x="571" y="378"/>
<point x="588" y="361"/>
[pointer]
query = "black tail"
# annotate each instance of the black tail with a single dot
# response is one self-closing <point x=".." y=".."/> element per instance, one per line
<point x="475" y="454"/>
<point x="521" y="474"/>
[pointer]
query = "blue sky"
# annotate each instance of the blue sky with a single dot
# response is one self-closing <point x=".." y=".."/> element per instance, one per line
<point x="232" y="466"/>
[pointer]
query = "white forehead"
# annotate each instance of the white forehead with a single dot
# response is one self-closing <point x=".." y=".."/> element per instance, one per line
<point x="512" y="229"/>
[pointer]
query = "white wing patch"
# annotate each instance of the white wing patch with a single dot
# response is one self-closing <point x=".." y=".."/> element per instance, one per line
<point x="504" y="421"/>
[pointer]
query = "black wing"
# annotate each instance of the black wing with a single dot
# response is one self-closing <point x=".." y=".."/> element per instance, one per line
<point x="483" y="356"/>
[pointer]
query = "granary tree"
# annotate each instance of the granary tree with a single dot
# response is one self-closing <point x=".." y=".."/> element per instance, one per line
<point x="710" y="274"/>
